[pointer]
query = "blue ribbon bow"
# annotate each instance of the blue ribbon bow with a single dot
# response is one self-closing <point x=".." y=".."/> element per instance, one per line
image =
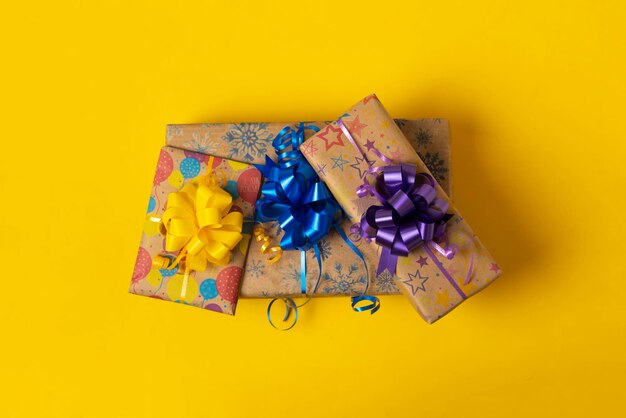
<point x="295" y="197"/>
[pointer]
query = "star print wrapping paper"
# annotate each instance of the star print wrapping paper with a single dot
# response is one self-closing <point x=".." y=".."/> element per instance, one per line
<point x="343" y="273"/>
<point x="217" y="287"/>
<point x="434" y="284"/>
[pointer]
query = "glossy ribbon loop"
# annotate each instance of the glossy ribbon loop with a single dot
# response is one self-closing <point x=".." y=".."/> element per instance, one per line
<point x="409" y="214"/>
<point x="198" y="224"/>
<point x="372" y="306"/>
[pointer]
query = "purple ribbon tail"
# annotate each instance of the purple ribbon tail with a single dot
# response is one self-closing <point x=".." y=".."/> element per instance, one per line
<point x="445" y="272"/>
<point x="387" y="261"/>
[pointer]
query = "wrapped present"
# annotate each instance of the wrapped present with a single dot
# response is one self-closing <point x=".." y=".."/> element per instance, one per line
<point x="197" y="231"/>
<point x="389" y="192"/>
<point x="343" y="273"/>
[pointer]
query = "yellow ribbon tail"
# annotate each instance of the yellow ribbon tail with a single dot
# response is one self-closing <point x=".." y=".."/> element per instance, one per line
<point x="261" y="236"/>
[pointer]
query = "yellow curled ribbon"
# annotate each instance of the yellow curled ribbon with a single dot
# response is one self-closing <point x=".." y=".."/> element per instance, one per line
<point x="197" y="223"/>
<point x="261" y="236"/>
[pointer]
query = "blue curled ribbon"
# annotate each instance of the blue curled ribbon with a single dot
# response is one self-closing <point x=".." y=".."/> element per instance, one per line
<point x="410" y="214"/>
<point x="295" y="197"/>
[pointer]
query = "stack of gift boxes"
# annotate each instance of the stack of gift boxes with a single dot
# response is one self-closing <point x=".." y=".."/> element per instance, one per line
<point x="361" y="150"/>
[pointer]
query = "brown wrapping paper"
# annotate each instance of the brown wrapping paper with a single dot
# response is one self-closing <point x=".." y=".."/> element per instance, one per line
<point x="432" y="283"/>
<point x="343" y="272"/>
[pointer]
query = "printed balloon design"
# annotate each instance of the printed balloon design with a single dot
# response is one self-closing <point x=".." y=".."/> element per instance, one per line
<point x="164" y="167"/>
<point x="169" y="272"/>
<point x="175" y="289"/>
<point x="176" y="179"/>
<point x="151" y="227"/>
<point x="231" y="187"/>
<point x="154" y="278"/>
<point x="214" y="307"/>
<point x="248" y="185"/>
<point x="228" y="283"/>
<point x="142" y="265"/>
<point x="236" y="165"/>
<point x="216" y="161"/>
<point x="151" y="204"/>
<point x="201" y="158"/>
<point x="189" y="168"/>
<point x="208" y="289"/>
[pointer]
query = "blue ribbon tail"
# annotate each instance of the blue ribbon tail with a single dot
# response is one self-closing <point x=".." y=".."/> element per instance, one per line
<point x="374" y="304"/>
<point x="290" y="306"/>
<point x="303" y="272"/>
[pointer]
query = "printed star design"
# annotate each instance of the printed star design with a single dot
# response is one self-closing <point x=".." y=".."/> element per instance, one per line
<point x="442" y="298"/>
<point x="396" y="155"/>
<point x="416" y="282"/>
<point x="331" y="136"/>
<point x="355" y="127"/>
<point x="422" y="261"/>
<point x="369" y="145"/>
<point x="368" y="98"/>
<point x="321" y="169"/>
<point x="357" y="166"/>
<point x="308" y="148"/>
<point x="339" y="162"/>
<point x="494" y="267"/>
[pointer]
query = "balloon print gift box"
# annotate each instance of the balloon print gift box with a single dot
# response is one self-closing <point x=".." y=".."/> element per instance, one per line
<point x="197" y="230"/>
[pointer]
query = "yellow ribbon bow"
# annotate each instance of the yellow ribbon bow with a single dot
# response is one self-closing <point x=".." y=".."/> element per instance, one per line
<point x="197" y="223"/>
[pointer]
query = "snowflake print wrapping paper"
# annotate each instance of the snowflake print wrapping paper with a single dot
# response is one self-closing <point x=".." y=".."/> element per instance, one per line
<point x="436" y="285"/>
<point x="216" y="288"/>
<point x="343" y="273"/>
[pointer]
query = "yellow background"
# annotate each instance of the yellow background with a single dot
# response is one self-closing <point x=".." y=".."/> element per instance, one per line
<point x="535" y="97"/>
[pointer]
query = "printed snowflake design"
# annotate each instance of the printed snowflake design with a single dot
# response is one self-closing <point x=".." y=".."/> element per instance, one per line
<point x="173" y="130"/>
<point x="343" y="282"/>
<point x="290" y="272"/>
<point x="423" y="137"/>
<point x="248" y="141"/>
<point x="256" y="267"/>
<point x="325" y="249"/>
<point x="436" y="165"/>
<point x="385" y="283"/>
<point x="202" y="144"/>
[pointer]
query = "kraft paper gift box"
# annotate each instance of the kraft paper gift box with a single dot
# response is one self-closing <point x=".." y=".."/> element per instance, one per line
<point x="343" y="272"/>
<point x="217" y="287"/>
<point x="433" y="283"/>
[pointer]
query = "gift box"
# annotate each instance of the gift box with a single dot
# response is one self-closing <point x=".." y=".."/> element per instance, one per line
<point x="435" y="280"/>
<point x="185" y="184"/>
<point x="343" y="271"/>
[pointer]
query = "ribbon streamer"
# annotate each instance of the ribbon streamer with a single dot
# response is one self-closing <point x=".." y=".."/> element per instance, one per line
<point x="295" y="197"/>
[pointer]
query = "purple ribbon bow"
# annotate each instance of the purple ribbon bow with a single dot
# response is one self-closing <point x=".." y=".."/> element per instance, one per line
<point x="411" y="214"/>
